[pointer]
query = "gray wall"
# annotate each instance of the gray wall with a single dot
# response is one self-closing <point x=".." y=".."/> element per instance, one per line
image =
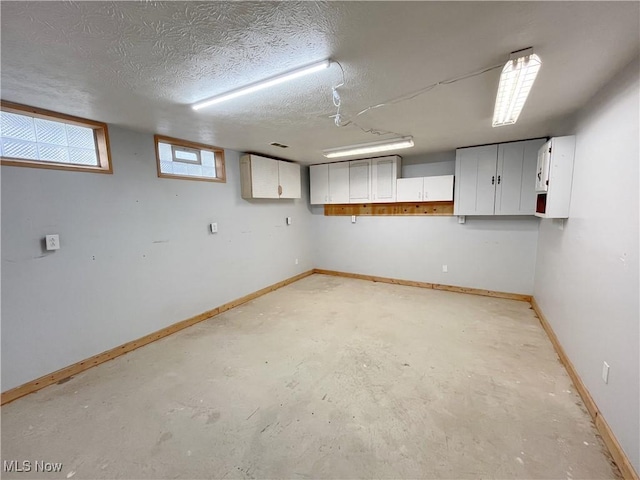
<point x="136" y="254"/>
<point x="430" y="165"/>
<point x="485" y="252"/>
<point x="587" y="267"/>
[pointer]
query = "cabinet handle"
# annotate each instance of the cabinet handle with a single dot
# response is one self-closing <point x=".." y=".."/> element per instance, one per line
<point x="493" y="180"/>
<point x="498" y="179"/>
<point x="279" y="189"/>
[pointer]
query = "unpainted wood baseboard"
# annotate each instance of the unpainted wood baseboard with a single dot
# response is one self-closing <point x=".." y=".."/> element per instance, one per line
<point x="433" y="286"/>
<point x="610" y="440"/>
<point x="66" y="372"/>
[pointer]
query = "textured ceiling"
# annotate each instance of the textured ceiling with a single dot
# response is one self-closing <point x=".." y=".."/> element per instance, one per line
<point x="140" y="65"/>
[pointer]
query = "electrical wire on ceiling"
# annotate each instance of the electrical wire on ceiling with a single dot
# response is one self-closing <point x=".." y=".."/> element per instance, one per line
<point x="340" y="121"/>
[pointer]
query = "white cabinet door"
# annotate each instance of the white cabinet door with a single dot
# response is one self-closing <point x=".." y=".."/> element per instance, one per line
<point x="384" y="175"/>
<point x="289" y="178"/>
<point x="409" y="189"/>
<point x="438" y="189"/>
<point x="475" y="180"/>
<point x="360" y="181"/>
<point x="339" y="182"/>
<point x="542" y="169"/>
<point x="319" y="184"/>
<point x="515" y="187"/>
<point x="264" y="177"/>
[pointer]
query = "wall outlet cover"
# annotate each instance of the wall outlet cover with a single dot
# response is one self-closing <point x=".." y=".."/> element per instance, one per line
<point x="53" y="242"/>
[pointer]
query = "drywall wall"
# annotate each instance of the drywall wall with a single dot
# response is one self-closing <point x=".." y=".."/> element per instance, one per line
<point x="485" y="252"/>
<point x="136" y="254"/>
<point x="433" y="164"/>
<point x="494" y="253"/>
<point x="586" y="279"/>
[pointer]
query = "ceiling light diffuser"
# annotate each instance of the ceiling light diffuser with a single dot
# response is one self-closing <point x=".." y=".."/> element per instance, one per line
<point x="366" y="148"/>
<point x="516" y="81"/>
<point x="262" y="84"/>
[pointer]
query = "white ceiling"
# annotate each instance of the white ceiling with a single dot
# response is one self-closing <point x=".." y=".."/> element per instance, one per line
<point x="140" y="65"/>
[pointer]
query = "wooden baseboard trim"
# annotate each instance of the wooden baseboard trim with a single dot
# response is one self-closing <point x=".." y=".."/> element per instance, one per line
<point x="433" y="286"/>
<point x="610" y="440"/>
<point x="66" y="372"/>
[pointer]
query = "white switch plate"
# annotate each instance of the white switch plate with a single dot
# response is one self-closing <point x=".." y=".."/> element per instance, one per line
<point x="353" y="219"/>
<point x="445" y="268"/>
<point x="213" y="228"/>
<point x="288" y="220"/>
<point x="296" y="261"/>
<point x="53" y="242"/>
<point x="605" y="372"/>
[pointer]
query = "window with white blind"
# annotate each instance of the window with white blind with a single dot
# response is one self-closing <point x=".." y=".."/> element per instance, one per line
<point x="32" y="137"/>
<point x="188" y="160"/>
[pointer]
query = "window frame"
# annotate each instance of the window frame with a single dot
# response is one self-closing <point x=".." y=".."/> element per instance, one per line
<point x="218" y="153"/>
<point x="100" y="135"/>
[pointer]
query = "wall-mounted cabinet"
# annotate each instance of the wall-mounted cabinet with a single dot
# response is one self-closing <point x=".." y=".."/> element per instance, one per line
<point x="425" y="189"/>
<point x="554" y="177"/>
<point x="262" y="177"/>
<point x="329" y="183"/>
<point x="356" y="181"/>
<point x="384" y="176"/>
<point x="497" y="179"/>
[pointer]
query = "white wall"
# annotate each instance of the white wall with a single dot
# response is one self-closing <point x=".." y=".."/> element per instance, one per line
<point x="430" y="165"/>
<point x="136" y="254"/>
<point x="587" y="273"/>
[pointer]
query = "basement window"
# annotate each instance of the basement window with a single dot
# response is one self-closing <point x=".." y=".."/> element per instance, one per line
<point x="188" y="160"/>
<point x="32" y="137"/>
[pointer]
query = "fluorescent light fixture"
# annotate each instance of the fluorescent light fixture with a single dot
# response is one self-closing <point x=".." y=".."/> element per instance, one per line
<point x="269" y="82"/>
<point x="516" y="81"/>
<point x="366" y="148"/>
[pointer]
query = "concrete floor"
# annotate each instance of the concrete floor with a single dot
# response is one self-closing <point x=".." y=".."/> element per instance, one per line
<point x="326" y="378"/>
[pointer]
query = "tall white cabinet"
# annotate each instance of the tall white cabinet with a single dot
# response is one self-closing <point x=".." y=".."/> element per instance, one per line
<point x="496" y="179"/>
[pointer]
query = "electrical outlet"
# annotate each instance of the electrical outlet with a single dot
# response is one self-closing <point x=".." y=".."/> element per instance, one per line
<point x="53" y="242"/>
<point x="288" y="220"/>
<point x="296" y="261"/>
<point x="213" y="228"/>
<point x="353" y="219"/>
<point x="605" y="372"/>
<point x="445" y="268"/>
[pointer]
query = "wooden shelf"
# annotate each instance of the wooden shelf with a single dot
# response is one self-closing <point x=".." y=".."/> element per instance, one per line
<point x="389" y="209"/>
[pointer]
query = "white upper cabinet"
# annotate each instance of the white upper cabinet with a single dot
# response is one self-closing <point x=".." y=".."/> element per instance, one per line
<point x="356" y="181"/>
<point x="496" y="179"/>
<point x="438" y="189"/>
<point x="515" y="180"/>
<point x="262" y="177"/>
<point x="425" y="189"/>
<point x="319" y="184"/>
<point x="289" y="180"/>
<point x="410" y="189"/>
<point x="554" y="177"/>
<point x="384" y="175"/>
<point x="329" y="183"/>
<point x="339" y="182"/>
<point x="475" y="180"/>
<point x="360" y="181"/>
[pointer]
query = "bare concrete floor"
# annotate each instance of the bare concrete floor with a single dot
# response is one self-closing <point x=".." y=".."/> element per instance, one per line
<point x="326" y="378"/>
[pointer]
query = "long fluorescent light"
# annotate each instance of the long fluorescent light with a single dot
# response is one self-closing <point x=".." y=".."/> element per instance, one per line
<point x="366" y="148"/>
<point x="516" y="81"/>
<point x="269" y="82"/>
